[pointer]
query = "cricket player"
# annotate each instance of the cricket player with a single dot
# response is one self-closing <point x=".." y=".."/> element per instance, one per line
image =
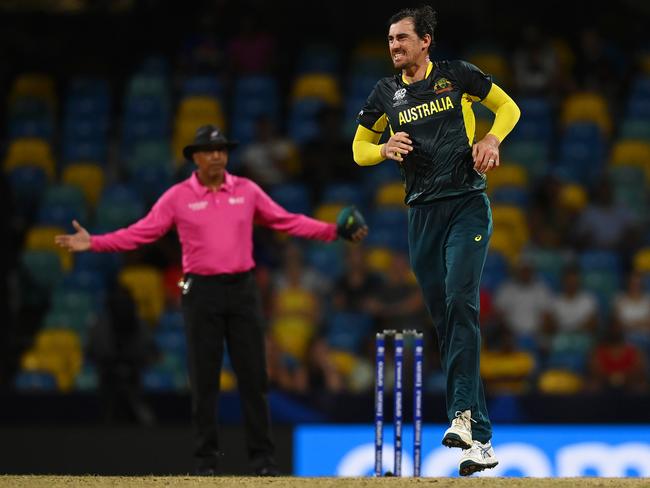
<point x="428" y="109"/>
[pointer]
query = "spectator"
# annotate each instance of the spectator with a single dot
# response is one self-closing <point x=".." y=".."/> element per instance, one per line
<point x="269" y="159"/>
<point x="398" y="304"/>
<point x="631" y="311"/>
<point x="604" y="224"/>
<point x="522" y="303"/>
<point x="121" y="346"/>
<point x="574" y="310"/>
<point x="358" y="285"/>
<point x="505" y="368"/>
<point x="618" y="365"/>
<point x="535" y="64"/>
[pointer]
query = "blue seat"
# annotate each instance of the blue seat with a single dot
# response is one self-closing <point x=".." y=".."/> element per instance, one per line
<point x="84" y="129"/>
<point x="30" y="108"/>
<point x="41" y="128"/>
<point x="202" y="86"/>
<point x="388" y="228"/>
<point x="600" y="260"/>
<point x="375" y="176"/>
<point x="171" y="320"/>
<point x="27" y="184"/>
<point x="171" y="340"/>
<point x="158" y="380"/>
<point x="41" y="268"/>
<point x="95" y="150"/>
<point x="638" y="109"/>
<point x="294" y="197"/>
<point x="640" y="88"/>
<point x="531" y="130"/>
<point x="151" y="181"/>
<point x="348" y="331"/>
<point x="343" y="193"/>
<point x="105" y="263"/>
<point x="318" y="58"/>
<point x="538" y="108"/>
<point x="93" y="87"/>
<point x="256" y="87"/>
<point x="510" y="195"/>
<point x="85" y="280"/>
<point x="495" y="271"/>
<point x="60" y="215"/>
<point x="303" y="125"/>
<point x="34" y="381"/>
<point x="327" y="259"/>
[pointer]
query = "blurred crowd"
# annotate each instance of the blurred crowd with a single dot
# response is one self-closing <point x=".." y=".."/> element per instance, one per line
<point x="565" y="302"/>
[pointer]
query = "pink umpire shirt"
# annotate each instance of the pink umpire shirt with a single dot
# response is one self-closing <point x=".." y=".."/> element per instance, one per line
<point x="215" y="228"/>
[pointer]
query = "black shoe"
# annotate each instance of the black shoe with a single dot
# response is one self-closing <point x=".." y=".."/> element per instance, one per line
<point x="268" y="470"/>
<point x="206" y="472"/>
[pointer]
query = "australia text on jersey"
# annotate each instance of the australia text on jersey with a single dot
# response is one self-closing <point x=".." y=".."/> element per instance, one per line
<point x="425" y="110"/>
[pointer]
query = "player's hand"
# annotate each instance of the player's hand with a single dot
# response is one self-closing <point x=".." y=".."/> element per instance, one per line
<point x="360" y="234"/>
<point x="486" y="153"/>
<point x="398" y="146"/>
<point x="80" y="241"/>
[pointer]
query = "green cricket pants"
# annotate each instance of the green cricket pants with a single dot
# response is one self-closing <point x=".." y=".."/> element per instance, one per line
<point x="448" y="242"/>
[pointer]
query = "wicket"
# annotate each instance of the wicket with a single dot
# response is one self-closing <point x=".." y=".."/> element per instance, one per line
<point x="380" y="349"/>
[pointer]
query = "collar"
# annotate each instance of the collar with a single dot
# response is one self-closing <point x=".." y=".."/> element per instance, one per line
<point x="426" y="75"/>
<point x="227" y="185"/>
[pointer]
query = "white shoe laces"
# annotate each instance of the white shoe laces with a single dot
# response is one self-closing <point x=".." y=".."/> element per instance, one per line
<point x="463" y="419"/>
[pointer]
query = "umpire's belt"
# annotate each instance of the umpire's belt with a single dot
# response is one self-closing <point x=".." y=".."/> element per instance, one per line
<point x="218" y="278"/>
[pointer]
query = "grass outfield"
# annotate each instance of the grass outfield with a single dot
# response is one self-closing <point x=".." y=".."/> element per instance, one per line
<point x="288" y="482"/>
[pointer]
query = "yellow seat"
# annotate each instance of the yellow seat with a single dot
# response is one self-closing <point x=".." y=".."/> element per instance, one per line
<point x="30" y="151"/>
<point x="88" y="177"/>
<point x="633" y="153"/>
<point x="642" y="260"/>
<point x="185" y="129"/>
<point x="146" y="286"/>
<point x="587" y="107"/>
<point x="481" y="128"/>
<point x="573" y="197"/>
<point x="371" y="49"/>
<point x="34" y="85"/>
<point x="328" y="212"/>
<point x="316" y="85"/>
<point x="507" y="175"/>
<point x="511" y="219"/>
<point x="379" y="259"/>
<point x="200" y="106"/>
<point x="390" y="194"/>
<point x="41" y="238"/>
<point x="56" y="351"/>
<point x="502" y="242"/>
<point x="344" y="362"/>
<point x="559" y="382"/>
<point x="493" y="64"/>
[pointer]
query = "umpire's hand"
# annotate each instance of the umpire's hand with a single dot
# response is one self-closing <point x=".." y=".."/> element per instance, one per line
<point x="351" y="225"/>
<point x="80" y="241"/>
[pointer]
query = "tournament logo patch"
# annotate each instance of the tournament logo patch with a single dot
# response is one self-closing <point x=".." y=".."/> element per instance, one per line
<point x="399" y="97"/>
<point x="442" y="85"/>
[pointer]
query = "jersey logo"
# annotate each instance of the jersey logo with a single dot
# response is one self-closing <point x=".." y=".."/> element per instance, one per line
<point x="236" y="200"/>
<point x="399" y="97"/>
<point x="478" y="237"/>
<point x="198" y="205"/>
<point x="442" y="85"/>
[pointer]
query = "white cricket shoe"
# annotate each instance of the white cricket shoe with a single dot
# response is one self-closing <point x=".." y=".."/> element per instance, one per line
<point x="460" y="432"/>
<point x="477" y="458"/>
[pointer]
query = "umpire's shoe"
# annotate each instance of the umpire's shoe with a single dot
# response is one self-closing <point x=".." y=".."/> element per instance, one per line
<point x="265" y="466"/>
<point x="477" y="458"/>
<point x="460" y="432"/>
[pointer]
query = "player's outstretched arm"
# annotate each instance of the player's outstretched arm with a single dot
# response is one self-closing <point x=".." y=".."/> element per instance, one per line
<point x="77" y="242"/>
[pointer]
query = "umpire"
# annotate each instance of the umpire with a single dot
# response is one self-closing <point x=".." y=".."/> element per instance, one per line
<point x="213" y="212"/>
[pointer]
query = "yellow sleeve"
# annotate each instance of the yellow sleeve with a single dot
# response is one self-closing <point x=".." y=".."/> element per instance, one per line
<point x="365" y="148"/>
<point x="505" y="110"/>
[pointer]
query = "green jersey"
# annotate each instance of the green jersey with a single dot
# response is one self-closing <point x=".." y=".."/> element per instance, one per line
<point x="436" y="113"/>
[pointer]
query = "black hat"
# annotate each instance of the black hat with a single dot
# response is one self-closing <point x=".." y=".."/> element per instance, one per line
<point x="208" y="137"/>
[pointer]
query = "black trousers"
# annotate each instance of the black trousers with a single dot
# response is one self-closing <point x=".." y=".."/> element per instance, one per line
<point x="218" y="310"/>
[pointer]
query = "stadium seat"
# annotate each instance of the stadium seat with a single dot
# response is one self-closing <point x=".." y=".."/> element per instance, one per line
<point x="43" y="268"/>
<point x="495" y="64"/>
<point x="320" y="86"/>
<point x="146" y="286"/>
<point x="88" y="177"/>
<point x="42" y="238"/>
<point x="642" y="260"/>
<point x="209" y="86"/>
<point x="636" y="129"/>
<point x="378" y="258"/>
<point x="532" y="155"/>
<point x="34" y="85"/>
<point x="326" y="258"/>
<point x="390" y="194"/>
<point x="348" y="331"/>
<point x="635" y="153"/>
<point x="318" y="58"/>
<point x="511" y="175"/>
<point x="328" y="211"/>
<point x="34" y="381"/>
<point x="573" y="197"/>
<point x="559" y="382"/>
<point x="587" y="106"/>
<point x="511" y="195"/>
<point x="27" y="184"/>
<point x="30" y="152"/>
<point x="294" y="197"/>
<point x="118" y="207"/>
<point x="495" y="270"/>
<point x="511" y="220"/>
<point x="342" y="193"/>
<point x="549" y="265"/>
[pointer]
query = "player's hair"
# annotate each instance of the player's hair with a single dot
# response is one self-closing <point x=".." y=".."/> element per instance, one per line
<point x="424" y="21"/>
